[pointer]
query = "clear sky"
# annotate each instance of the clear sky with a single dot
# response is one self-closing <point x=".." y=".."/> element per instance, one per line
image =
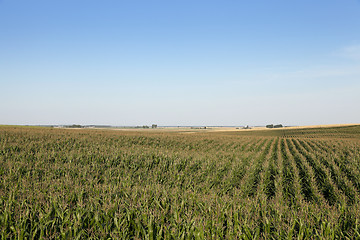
<point x="187" y="62"/>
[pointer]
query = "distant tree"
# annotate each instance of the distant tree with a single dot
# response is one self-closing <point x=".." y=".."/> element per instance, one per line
<point x="278" y="126"/>
<point x="154" y="126"/>
<point x="75" y="126"/>
<point x="270" y="126"/>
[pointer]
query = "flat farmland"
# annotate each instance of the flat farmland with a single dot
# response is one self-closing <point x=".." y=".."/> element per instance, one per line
<point x="104" y="184"/>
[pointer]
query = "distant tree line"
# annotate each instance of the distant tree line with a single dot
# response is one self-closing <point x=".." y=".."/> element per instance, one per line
<point x="274" y="126"/>
<point x="74" y="126"/>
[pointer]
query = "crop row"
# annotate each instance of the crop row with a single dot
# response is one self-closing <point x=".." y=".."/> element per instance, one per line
<point x="142" y="185"/>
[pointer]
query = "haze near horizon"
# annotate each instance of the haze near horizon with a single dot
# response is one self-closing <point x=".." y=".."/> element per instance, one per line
<point x="179" y="62"/>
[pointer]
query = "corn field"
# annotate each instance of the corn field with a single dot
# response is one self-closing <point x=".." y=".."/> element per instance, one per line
<point x="153" y="184"/>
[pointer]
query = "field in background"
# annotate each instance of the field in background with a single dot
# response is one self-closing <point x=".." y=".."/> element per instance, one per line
<point x="283" y="183"/>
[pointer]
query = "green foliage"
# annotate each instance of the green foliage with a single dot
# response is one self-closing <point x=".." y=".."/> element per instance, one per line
<point x="81" y="184"/>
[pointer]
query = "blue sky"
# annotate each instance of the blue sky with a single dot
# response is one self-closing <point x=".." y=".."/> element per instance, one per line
<point x="179" y="62"/>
